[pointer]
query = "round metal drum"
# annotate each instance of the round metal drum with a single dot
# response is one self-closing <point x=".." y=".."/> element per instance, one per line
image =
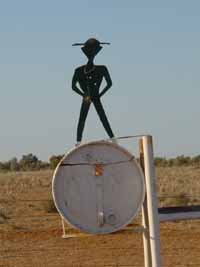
<point x="98" y="187"/>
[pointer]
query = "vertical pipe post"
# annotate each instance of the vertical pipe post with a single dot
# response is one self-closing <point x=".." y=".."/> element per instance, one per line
<point x="63" y="227"/>
<point x="145" y="221"/>
<point x="152" y="204"/>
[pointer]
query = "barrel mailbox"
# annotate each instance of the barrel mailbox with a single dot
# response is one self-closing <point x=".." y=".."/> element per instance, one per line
<point x="98" y="187"/>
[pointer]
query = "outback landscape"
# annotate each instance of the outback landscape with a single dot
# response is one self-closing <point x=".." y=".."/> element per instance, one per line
<point x="31" y="230"/>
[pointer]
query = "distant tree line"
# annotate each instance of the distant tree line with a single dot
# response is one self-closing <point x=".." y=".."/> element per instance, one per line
<point x="30" y="162"/>
<point x="178" y="161"/>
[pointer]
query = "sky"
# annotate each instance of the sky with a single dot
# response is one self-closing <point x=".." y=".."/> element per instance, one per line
<point x="153" y="60"/>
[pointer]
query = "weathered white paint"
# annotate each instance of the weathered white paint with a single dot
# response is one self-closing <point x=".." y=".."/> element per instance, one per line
<point x="152" y="205"/>
<point x="145" y="220"/>
<point x="146" y="236"/>
<point x="98" y="203"/>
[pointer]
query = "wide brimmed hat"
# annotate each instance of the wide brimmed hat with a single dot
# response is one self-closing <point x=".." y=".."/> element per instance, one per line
<point x="91" y="47"/>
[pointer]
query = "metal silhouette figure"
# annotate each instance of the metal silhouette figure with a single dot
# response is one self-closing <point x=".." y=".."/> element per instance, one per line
<point x="89" y="77"/>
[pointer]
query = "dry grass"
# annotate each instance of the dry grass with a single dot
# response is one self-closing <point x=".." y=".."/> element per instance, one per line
<point x="178" y="185"/>
<point x="30" y="227"/>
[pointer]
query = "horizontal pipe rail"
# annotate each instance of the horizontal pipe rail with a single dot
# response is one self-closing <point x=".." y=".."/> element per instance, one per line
<point x="179" y="213"/>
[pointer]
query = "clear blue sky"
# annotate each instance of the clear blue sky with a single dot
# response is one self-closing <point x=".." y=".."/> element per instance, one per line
<point x="154" y="61"/>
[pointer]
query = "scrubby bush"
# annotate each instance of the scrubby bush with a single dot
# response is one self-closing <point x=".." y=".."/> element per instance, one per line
<point x="196" y="160"/>
<point x="162" y="162"/>
<point x="182" y="161"/>
<point x="14" y="165"/>
<point x="54" y="160"/>
<point x="178" y="161"/>
<point x="29" y="162"/>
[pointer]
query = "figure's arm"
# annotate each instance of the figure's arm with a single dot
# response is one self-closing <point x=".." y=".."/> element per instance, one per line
<point x="74" y="82"/>
<point x="108" y="82"/>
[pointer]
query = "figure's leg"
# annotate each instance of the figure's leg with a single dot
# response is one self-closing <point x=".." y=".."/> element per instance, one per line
<point x="81" y="123"/>
<point x="102" y="116"/>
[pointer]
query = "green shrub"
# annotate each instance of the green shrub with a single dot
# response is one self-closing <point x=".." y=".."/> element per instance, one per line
<point x="54" y="160"/>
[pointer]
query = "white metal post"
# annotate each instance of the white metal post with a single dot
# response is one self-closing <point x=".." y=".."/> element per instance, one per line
<point x="152" y="205"/>
<point x="63" y="227"/>
<point x="146" y="237"/>
<point x="145" y="221"/>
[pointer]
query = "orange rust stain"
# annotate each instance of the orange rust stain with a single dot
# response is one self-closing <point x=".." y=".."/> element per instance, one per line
<point x="98" y="170"/>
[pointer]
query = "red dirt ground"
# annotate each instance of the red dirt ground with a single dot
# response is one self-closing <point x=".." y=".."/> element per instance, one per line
<point x="30" y="236"/>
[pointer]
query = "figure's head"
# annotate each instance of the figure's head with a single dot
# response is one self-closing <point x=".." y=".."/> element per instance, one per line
<point x="91" y="47"/>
